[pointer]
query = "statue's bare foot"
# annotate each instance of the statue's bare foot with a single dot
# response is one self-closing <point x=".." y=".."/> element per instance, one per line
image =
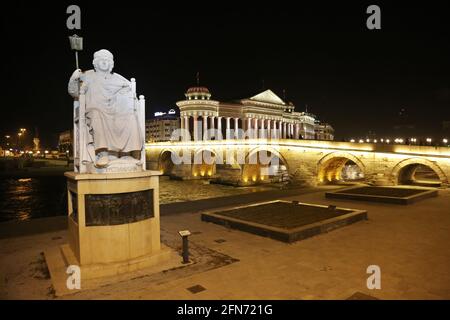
<point x="112" y="157"/>
<point x="103" y="160"/>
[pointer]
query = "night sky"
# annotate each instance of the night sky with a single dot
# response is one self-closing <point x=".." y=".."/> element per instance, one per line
<point x="324" y="57"/>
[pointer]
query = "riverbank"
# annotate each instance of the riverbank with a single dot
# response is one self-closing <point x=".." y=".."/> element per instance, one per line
<point x="32" y="168"/>
<point x="30" y="196"/>
<point x="11" y="229"/>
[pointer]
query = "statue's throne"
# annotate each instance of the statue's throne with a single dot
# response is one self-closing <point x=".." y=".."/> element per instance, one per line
<point x="83" y="147"/>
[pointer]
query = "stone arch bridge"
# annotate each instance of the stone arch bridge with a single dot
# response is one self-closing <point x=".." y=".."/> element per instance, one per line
<point x="310" y="162"/>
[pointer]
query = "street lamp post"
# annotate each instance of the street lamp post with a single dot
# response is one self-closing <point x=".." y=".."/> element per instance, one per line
<point x="20" y="135"/>
<point x="7" y="140"/>
<point x="18" y="139"/>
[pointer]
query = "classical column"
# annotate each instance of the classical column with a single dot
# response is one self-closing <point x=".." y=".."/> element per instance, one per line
<point x="296" y="131"/>
<point x="205" y="127"/>
<point x="211" y="126"/>
<point x="211" y="123"/>
<point x="268" y="129"/>
<point x="262" y="133"/>
<point x="275" y="129"/>
<point x="273" y="132"/>
<point x="186" y="128"/>
<point x="219" y="127"/>
<point x="182" y="128"/>
<point x="249" y="128"/>
<point x="196" y="137"/>
<point x="283" y="130"/>
<point x="255" y="128"/>
<point x="290" y="131"/>
<point x="228" y="128"/>
<point x="236" y="128"/>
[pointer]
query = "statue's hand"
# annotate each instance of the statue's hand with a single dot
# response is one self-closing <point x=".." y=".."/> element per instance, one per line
<point x="83" y="88"/>
<point x="76" y="75"/>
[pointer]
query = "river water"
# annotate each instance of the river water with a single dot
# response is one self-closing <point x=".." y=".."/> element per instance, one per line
<point x="29" y="198"/>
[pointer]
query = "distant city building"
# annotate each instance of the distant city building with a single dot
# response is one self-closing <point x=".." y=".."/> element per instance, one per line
<point x="323" y="131"/>
<point x="160" y="127"/>
<point x="266" y="114"/>
<point x="65" y="143"/>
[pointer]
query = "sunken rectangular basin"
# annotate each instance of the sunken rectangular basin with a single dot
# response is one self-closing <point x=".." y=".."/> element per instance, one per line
<point x="396" y="195"/>
<point x="285" y="220"/>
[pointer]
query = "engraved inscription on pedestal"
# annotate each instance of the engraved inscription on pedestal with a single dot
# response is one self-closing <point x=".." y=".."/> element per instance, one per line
<point x="120" y="208"/>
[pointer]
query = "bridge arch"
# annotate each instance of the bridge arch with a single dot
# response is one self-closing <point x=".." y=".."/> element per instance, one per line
<point x="330" y="167"/>
<point x="404" y="171"/>
<point x="204" y="162"/>
<point x="165" y="162"/>
<point x="264" y="164"/>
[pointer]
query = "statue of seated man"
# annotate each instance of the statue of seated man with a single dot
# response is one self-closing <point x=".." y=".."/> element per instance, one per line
<point x="111" y="114"/>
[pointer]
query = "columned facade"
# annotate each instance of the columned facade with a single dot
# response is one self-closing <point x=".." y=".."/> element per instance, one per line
<point x="264" y="116"/>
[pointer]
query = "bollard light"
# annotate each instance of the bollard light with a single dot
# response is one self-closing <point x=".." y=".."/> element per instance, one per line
<point x="184" y="235"/>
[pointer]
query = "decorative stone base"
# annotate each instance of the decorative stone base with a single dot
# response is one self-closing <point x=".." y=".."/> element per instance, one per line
<point x="395" y="195"/>
<point x="123" y="164"/>
<point x="96" y="275"/>
<point x="283" y="220"/>
<point x="113" y="225"/>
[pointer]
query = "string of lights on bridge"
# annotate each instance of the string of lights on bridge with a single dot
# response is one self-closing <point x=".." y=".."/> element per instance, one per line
<point x="411" y="141"/>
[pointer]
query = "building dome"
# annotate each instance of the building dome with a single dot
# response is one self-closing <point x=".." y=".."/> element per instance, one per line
<point x="198" y="93"/>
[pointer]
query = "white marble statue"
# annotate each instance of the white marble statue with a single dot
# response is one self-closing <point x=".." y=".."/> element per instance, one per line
<point x="111" y="113"/>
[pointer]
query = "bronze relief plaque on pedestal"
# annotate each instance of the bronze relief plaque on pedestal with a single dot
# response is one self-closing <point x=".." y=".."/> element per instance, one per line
<point x="120" y="208"/>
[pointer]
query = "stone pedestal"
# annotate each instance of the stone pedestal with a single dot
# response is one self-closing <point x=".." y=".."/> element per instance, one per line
<point x="113" y="223"/>
<point x="113" y="231"/>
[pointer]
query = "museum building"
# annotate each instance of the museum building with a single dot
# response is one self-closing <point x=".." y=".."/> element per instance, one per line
<point x="263" y="116"/>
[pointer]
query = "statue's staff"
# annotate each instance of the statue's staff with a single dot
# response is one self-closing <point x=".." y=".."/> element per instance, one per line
<point x="76" y="43"/>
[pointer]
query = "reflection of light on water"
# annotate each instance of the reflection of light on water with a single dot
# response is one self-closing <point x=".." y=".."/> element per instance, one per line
<point x="28" y="198"/>
<point x="24" y="199"/>
<point x="188" y="190"/>
<point x="23" y="192"/>
<point x="22" y="215"/>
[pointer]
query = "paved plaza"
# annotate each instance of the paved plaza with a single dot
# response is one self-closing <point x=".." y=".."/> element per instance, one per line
<point x="409" y="243"/>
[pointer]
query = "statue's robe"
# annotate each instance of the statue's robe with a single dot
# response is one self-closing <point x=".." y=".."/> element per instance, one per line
<point x="110" y="111"/>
